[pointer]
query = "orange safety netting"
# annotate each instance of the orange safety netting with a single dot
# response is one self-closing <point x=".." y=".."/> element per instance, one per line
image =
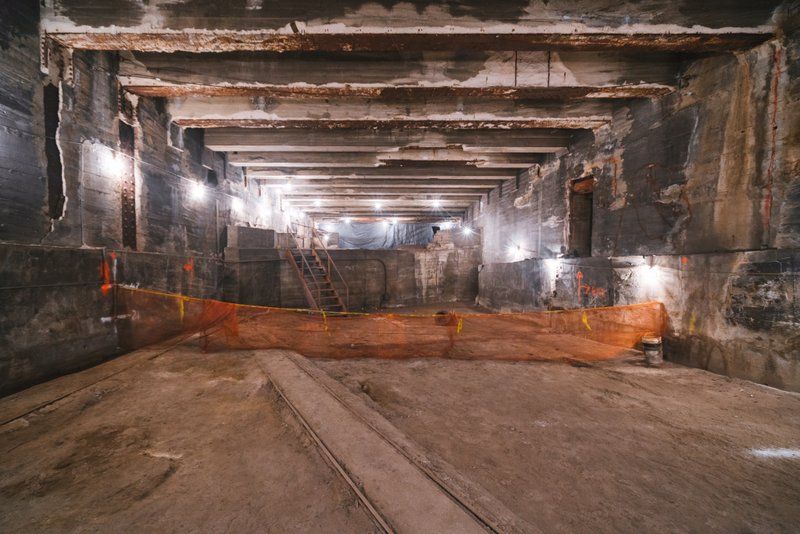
<point x="587" y="334"/>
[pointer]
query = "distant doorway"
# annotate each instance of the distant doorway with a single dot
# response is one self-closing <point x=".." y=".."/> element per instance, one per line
<point x="581" y="200"/>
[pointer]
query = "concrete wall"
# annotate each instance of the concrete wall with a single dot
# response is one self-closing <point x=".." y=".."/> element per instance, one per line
<point x="444" y="271"/>
<point x="50" y="274"/>
<point x="703" y="184"/>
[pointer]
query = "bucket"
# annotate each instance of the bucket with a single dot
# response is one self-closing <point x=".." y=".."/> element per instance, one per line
<point x="653" y="353"/>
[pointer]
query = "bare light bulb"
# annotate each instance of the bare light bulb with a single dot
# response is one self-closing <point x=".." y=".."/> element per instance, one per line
<point x="197" y="191"/>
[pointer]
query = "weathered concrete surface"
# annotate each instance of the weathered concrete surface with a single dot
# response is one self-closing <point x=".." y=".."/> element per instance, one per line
<point x="443" y="272"/>
<point x="54" y="317"/>
<point x="185" y="440"/>
<point x="731" y="313"/>
<point x="710" y="168"/>
<point x="53" y="307"/>
<point x="698" y="182"/>
<point x="613" y="447"/>
<point x="433" y="20"/>
<point x="403" y="494"/>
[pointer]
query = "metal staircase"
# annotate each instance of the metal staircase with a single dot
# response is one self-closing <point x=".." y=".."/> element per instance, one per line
<point x="317" y="272"/>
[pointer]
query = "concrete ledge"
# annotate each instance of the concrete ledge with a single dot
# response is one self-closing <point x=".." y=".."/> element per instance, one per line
<point x="403" y="495"/>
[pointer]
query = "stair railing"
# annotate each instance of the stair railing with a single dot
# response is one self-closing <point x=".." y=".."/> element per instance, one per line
<point x="315" y="303"/>
<point x="331" y="267"/>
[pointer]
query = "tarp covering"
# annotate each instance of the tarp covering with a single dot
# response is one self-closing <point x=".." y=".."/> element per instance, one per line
<point x="382" y="235"/>
<point x="586" y="334"/>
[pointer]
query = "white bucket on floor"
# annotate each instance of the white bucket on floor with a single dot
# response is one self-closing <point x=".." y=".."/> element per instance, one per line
<point x="653" y="351"/>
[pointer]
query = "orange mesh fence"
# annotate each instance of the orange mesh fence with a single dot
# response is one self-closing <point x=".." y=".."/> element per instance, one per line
<point x="589" y="334"/>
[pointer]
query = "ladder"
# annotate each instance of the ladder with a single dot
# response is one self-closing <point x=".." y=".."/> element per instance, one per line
<point x="317" y="272"/>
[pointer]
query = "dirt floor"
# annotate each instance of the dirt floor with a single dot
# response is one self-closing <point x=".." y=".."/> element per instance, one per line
<point x="187" y="440"/>
<point x="602" y="447"/>
<point x="182" y="443"/>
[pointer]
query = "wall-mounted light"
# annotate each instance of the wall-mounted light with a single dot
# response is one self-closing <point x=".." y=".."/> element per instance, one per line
<point x="237" y="205"/>
<point x="437" y="203"/>
<point x="378" y="205"/>
<point x="113" y="163"/>
<point x="467" y="231"/>
<point x="650" y="276"/>
<point x="552" y="265"/>
<point x="197" y="191"/>
<point x="516" y="252"/>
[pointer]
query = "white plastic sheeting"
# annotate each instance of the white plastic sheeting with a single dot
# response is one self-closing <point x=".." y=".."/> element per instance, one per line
<point x="382" y="235"/>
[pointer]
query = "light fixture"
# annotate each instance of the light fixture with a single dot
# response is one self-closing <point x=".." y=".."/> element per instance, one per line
<point x="317" y="203"/>
<point x="437" y="203"/>
<point x="378" y="205"/>
<point x="447" y="225"/>
<point x="515" y="251"/>
<point x="197" y="191"/>
<point x="393" y="220"/>
<point x="467" y="231"/>
<point x="113" y="164"/>
<point x="551" y="265"/>
<point x="651" y="276"/>
<point x="347" y="220"/>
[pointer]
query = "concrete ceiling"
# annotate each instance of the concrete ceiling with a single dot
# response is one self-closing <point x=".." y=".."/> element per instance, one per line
<point x="422" y="106"/>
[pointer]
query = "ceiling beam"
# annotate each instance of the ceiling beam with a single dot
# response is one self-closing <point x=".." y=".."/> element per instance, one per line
<point x="380" y="184"/>
<point x="383" y="193"/>
<point x="389" y="212"/>
<point x="655" y="38"/>
<point x="186" y="110"/>
<point x="306" y="140"/>
<point x="404" y="93"/>
<point x="279" y="160"/>
<point x="510" y="68"/>
<point x="389" y="173"/>
<point x="386" y="200"/>
<point x="504" y="123"/>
